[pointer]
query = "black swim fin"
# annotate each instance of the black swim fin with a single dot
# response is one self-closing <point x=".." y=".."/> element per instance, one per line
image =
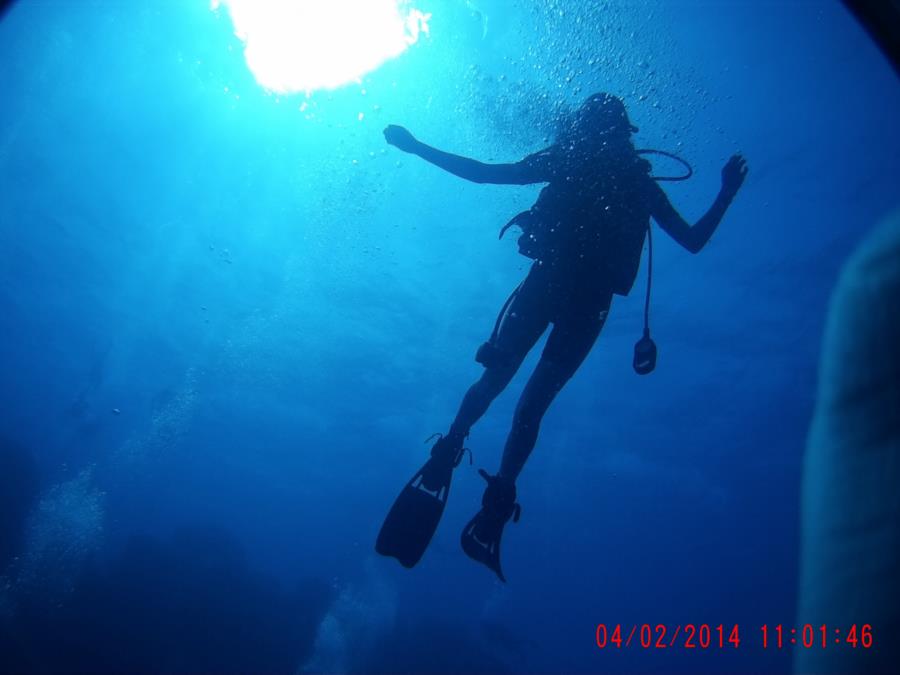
<point x="481" y="537"/>
<point x="414" y="517"/>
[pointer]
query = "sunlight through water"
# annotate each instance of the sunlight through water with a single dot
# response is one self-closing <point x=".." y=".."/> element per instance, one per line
<point x="303" y="45"/>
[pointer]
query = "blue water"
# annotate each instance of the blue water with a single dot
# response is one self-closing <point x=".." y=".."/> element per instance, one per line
<point x="227" y="325"/>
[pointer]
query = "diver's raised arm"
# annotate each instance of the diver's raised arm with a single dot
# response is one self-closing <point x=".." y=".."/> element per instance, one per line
<point x="695" y="238"/>
<point x="519" y="173"/>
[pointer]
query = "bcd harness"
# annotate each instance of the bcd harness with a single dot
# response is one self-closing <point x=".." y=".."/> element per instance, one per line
<point x="542" y="239"/>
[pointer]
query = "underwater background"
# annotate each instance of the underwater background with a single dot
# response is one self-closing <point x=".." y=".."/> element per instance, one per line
<point x="229" y="318"/>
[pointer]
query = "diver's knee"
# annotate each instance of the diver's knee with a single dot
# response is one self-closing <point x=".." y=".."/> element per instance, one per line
<point x="497" y="376"/>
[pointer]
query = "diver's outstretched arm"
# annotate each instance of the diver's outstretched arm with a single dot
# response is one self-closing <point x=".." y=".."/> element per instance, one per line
<point x="520" y="173"/>
<point x="695" y="238"/>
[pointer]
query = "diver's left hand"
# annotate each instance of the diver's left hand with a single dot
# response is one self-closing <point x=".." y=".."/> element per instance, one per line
<point x="733" y="174"/>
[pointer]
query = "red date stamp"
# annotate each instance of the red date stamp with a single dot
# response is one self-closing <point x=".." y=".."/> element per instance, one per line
<point x="724" y="636"/>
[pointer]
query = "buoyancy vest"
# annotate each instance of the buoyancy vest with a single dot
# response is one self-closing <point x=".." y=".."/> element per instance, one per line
<point x="591" y="220"/>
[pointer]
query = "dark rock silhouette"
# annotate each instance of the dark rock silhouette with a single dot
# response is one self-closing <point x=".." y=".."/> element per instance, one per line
<point x="188" y="605"/>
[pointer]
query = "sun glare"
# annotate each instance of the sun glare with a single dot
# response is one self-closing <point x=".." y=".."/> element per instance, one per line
<point x="304" y="45"/>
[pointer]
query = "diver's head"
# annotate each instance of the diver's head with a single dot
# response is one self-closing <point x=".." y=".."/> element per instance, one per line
<point x="601" y="118"/>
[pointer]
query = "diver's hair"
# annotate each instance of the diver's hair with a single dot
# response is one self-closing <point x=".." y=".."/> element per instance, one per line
<point x="611" y="107"/>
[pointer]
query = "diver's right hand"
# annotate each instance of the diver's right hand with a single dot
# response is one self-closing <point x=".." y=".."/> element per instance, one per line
<point x="400" y="138"/>
<point x="733" y="174"/>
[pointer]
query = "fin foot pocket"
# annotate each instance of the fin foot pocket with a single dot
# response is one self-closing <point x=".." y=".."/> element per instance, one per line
<point x="482" y="535"/>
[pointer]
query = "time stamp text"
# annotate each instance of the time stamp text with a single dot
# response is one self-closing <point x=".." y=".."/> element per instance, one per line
<point x="733" y="636"/>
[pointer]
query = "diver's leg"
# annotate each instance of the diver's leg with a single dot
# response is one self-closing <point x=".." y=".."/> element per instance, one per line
<point x="525" y="322"/>
<point x="569" y="343"/>
<point x="574" y="332"/>
<point x="480" y="396"/>
<point x="567" y="347"/>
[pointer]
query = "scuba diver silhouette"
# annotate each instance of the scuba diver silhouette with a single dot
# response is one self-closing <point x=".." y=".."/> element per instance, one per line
<point x="585" y="234"/>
